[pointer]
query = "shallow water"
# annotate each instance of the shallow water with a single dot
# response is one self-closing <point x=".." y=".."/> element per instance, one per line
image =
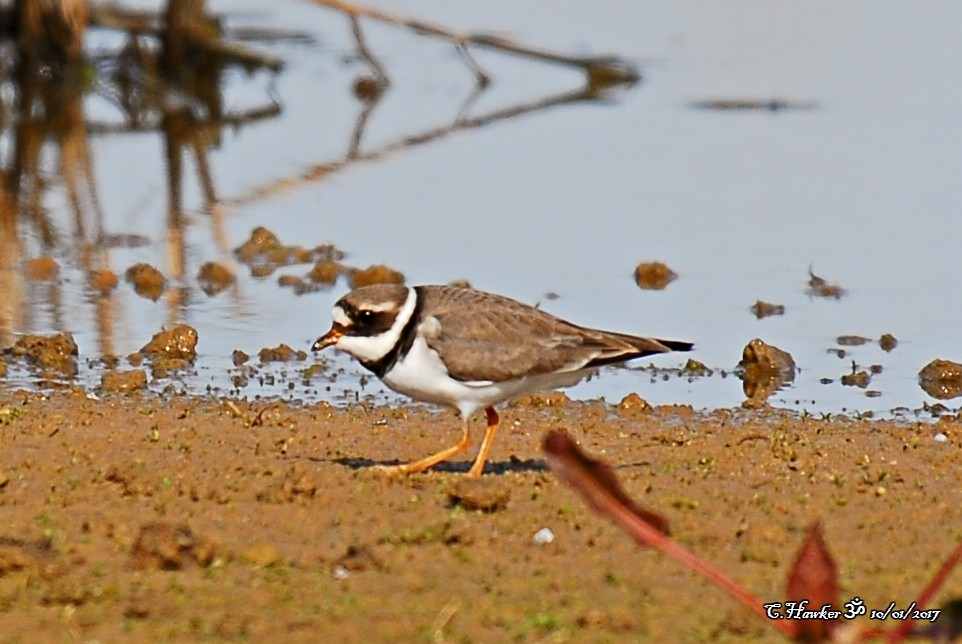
<point x="855" y="178"/>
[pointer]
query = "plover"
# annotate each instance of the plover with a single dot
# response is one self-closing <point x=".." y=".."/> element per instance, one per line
<point x="470" y="350"/>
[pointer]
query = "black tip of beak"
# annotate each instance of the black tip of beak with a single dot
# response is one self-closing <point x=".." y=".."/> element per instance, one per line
<point x="318" y="345"/>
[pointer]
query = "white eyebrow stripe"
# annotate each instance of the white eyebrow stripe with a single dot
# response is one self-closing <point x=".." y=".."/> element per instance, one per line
<point x="379" y="308"/>
<point x="340" y="317"/>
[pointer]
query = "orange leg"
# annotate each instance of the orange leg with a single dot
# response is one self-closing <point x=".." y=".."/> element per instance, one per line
<point x="492" y="429"/>
<point x="434" y="459"/>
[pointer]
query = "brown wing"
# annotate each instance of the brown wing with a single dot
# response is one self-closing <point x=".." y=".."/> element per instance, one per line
<point x="481" y="336"/>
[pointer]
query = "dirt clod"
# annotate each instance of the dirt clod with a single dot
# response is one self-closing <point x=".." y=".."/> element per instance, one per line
<point x="942" y="379"/>
<point x="852" y="340"/>
<point x="696" y="368"/>
<point x="57" y="352"/>
<point x="764" y="369"/>
<point x="634" y="403"/>
<point x="819" y="287"/>
<point x="325" y="272"/>
<point x="654" y="276"/>
<point x="762" y="309"/>
<point x="489" y="494"/>
<point x="887" y="342"/>
<point x="123" y="381"/>
<point x="41" y="269"/>
<point x="858" y="379"/>
<point x="281" y="353"/>
<point x="178" y="342"/>
<point x="168" y="546"/>
<point x="104" y="281"/>
<point x="148" y="281"/>
<point x="238" y="357"/>
<point x="261" y="241"/>
<point x="214" y="277"/>
<point x="261" y="555"/>
<point x="378" y="274"/>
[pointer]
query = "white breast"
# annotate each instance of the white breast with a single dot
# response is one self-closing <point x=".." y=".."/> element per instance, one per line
<point x="422" y="375"/>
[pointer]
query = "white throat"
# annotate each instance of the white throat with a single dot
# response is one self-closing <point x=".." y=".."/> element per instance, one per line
<point x="373" y="348"/>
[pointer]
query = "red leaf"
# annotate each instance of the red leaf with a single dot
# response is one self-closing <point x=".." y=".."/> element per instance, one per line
<point x="596" y="481"/>
<point x="814" y="579"/>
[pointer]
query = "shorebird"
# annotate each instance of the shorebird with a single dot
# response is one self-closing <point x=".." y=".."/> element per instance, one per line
<point x="470" y="350"/>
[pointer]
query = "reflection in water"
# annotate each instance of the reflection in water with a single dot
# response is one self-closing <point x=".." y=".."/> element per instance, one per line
<point x="942" y="379"/>
<point x="764" y="369"/>
<point x="166" y="77"/>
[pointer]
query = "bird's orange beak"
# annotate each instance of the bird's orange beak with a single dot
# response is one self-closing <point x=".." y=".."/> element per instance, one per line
<point x="329" y="338"/>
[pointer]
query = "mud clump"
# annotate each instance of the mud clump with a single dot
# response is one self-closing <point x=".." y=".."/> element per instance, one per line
<point x="238" y="357"/>
<point x="41" y="269"/>
<point x="543" y="399"/>
<point x="819" y="287"/>
<point x="281" y="353"/>
<point x="941" y="379"/>
<point x="368" y="88"/>
<point x="260" y="242"/>
<point x="167" y="546"/>
<point x="3" y="369"/>
<point x="378" y="274"/>
<point x="764" y="369"/>
<point x="123" y="381"/>
<point x="147" y="281"/>
<point x="654" y="276"/>
<point x="104" y="281"/>
<point x="887" y="342"/>
<point x="858" y="379"/>
<point x="264" y="252"/>
<point x="633" y="403"/>
<point x="57" y="352"/>
<point x="326" y="272"/>
<point x="169" y="350"/>
<point x="485" y="495"/>
<point x="214" y="277"/>
<point x="762" y="309"/>
<point x="852" y="340"/>
<point x="695" y="368"/>
<point x="261" y="555"/>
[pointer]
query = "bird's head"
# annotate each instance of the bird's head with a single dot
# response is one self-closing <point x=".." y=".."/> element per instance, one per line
<point x="368" y="321"/>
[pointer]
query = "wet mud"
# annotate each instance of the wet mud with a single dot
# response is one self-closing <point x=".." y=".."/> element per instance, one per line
<point x="654" y="276"/>
<point x="144" y="518"/>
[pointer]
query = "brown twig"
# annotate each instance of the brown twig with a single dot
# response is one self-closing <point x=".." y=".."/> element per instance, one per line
<point x="142" y="22"/>
<point x="381" y="77"/>
<point x="600" y="70"/>
<point x="322" y="170"/>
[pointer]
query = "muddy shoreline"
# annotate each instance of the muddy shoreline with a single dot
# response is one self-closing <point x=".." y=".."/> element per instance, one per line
<point x="149" y="518"/>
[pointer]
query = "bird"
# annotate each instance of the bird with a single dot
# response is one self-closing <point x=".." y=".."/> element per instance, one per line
<point x="470" y="350"/>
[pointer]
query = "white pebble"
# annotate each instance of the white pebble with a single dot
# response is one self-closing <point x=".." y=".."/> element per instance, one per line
<point x="940" y="438"/>
<point x="340" y="572"/>
<point x="543" y="536"/>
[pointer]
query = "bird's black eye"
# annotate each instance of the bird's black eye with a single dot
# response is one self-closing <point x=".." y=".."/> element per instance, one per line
<point x="365" y="317"/>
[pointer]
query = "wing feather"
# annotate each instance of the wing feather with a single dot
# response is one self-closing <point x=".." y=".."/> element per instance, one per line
<point x="486" y="337"/>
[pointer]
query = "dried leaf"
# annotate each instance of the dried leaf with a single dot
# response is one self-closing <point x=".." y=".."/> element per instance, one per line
<point x="814" y="579"/>
<point x="951" y="619"/>
<point x="596" y="482"/>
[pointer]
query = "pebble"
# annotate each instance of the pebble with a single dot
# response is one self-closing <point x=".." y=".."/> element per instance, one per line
<point x="940" y="438"/>
<point x="543" y="536"/>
